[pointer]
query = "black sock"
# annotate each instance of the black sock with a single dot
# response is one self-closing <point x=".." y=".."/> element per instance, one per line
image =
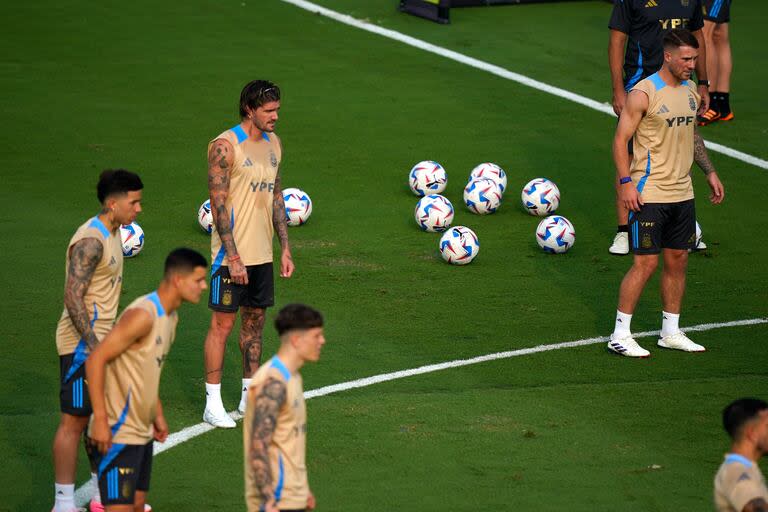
<point x="623" y="228"/>
<point x="714" y="101"/>
<point x="724" y="106"/>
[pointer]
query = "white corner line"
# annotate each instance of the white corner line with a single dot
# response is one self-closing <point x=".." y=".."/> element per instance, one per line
<point x="84" y="492"/>
<point x="498" y="71"/>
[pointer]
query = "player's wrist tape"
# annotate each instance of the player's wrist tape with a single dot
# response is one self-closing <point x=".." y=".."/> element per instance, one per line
<point x="625" y="180"/>
<point x="236" y="257"/>
<point x="704" y="82"/>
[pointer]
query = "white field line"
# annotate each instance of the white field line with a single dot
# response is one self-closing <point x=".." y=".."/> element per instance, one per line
<point x="498" y="71"/>
<point x="83" y="494"/>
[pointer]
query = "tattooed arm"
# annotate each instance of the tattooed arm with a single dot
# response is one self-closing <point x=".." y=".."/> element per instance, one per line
<point x="266" y="407"/>
<point x="701" y="158"/>
<point x="221" y="157"/>
<point x="84" y="256"/>
<point x="280" y="223"/>
<point x="756" y="505"/>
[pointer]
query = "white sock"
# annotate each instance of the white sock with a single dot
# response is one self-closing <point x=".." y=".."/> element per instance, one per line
<point x="96" y="494"/>
<point x="669" y="324"/>
<point x="621" y="328"/>
<point x="213" y="396"/>
<point x="65" y="497"/>
<point x="244" y="394"/>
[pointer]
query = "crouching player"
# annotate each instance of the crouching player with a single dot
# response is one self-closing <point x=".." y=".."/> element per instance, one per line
<point x="127" y="414"/>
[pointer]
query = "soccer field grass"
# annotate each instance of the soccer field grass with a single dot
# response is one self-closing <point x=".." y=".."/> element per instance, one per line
<point x="145" y="86"/>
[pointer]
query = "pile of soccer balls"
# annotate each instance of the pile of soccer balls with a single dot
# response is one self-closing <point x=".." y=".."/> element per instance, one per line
<point x="483" y="195"/>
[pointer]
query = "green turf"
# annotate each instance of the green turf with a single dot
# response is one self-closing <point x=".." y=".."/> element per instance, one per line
<point x="145" y="86"/>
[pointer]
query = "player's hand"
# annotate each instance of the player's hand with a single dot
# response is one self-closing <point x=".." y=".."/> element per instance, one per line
<point x="161" y="429"/>
<point x="237" y="272"/>
<point x="718" y="191"/>
<point x="101" y="435"/>
<point x="271" y="506"/>
<point x="286" y="264"/>
<point x="704" y="93"/>
<point x="311" y="502"/>
<point x="630" y="197"/>
<point x="619" y="100"/>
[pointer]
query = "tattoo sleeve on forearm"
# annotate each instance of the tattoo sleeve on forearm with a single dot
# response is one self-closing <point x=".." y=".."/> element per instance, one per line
<point x="266" y="408"/>
<point x="279" y="220"/>
<point x="700" y="155"/>
<point x="83" y="259"/>
<point x="218" y="186"/>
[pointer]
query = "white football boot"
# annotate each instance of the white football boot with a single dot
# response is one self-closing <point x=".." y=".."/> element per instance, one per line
<point x="218" y="417"/>
<point x="679" y="341"/>
<point x="627" y="346"/>
<point x="620" y="245"/>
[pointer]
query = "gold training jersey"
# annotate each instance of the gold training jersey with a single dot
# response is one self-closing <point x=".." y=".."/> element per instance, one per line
<point x="251" y="194"/>
<point x="663" y="141"/>
<point x="738" y="481"/>
<point x="103" y="293"/>
<point x="288" y="446"/>
<point x="132" y="379"/>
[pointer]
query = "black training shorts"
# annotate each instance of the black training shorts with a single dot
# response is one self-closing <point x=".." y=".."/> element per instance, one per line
<point x="227" y="297"/>
<point x="123" y="470"/>
<point x="660" y="226"/>
<point x="717" y="11"/>
<point x="73" y="391"/>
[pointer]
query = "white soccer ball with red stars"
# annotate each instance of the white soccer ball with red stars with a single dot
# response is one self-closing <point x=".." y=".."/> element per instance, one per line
<point x="540" y="197"/>
<point x="555" y="234"/>
<point x="459" y="245"/>
<point x="491" y="172"/>
<point x="298" y="206"/>
<point x="427" y="177"/>
<point x="205" y="217"/>
<point x="434" y="213"/>
<point x="482" y="196"/>
<point x="132" y="238"/>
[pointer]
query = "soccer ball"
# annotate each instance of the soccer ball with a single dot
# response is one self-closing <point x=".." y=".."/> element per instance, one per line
<point x="482" y="196"/>
<point x="434" y="213"/>
<point x="555" y="234"/>
<point x="459" y="245"/>
<point x="132" y="237"/>
<point x="492" y="172"/>
<point x="205" y="217"/>
<point x="427" y="177"/>
<point x="298" y="206"/>
<point x="540" y="197"/>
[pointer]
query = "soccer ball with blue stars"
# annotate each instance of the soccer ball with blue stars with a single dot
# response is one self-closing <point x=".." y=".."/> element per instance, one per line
<point x="132" y="238"/>
<point x="459" y="245"/>
<point x="555" y="234"/>
<point x="540" y="197"/>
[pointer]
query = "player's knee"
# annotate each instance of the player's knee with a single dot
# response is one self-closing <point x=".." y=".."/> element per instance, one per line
<point x="647" y="265"/>
<point x="73" y="424"/>
<point x="720" y="34"/>
<point x="222" y="323"/>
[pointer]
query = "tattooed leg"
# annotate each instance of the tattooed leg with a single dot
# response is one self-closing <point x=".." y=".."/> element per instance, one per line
<point x="252" y="326"/>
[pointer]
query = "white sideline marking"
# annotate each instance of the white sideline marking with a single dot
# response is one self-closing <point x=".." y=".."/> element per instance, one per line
<point x="498" y="71"/>
<point x="84" y="493"/>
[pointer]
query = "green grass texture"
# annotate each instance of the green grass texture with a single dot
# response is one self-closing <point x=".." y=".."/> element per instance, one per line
<point x="145" y="86"/>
